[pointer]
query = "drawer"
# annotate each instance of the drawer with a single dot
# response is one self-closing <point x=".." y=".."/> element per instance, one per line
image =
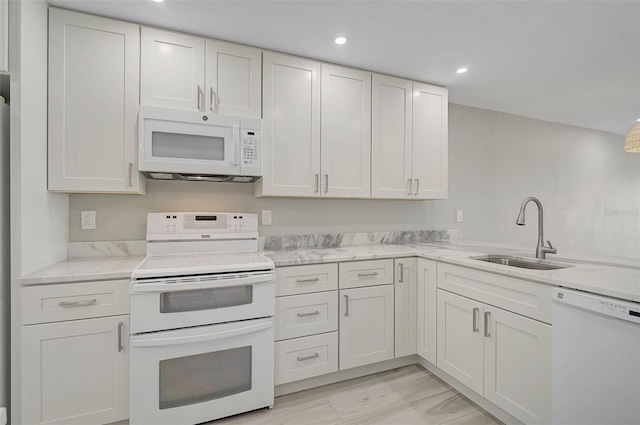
<point x="305" y="279"/>
<point x="308" y="314"/>
<point x="516" y="295"/>
<point x="302" y="358"/>
<point x="70" y="301"/>
<point x="355" y="274"/>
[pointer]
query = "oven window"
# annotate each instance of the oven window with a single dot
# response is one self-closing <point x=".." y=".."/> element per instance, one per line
<point x="205" y="299"/>
<point x="188" y="146"/>
<point x="204" y="377"/>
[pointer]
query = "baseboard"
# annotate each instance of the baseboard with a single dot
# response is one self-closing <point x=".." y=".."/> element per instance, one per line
<point x="470" y="394"/>
<point x="344" y="375"/>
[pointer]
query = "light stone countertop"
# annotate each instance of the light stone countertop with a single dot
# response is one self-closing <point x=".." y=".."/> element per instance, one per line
<point x="615" y="277"/>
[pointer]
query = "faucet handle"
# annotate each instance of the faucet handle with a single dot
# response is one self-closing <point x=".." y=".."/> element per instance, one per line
<point x="552" y="250"/>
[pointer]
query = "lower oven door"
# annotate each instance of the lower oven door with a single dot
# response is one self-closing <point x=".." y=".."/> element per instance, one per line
<point x="181" y="302"/>
<point x="195" y="375"/>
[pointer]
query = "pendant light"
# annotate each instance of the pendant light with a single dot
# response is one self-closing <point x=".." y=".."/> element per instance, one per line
<point x="632" y="142"/>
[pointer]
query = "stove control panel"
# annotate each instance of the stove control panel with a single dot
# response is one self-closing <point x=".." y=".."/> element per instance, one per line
<point x="200" y="225"/>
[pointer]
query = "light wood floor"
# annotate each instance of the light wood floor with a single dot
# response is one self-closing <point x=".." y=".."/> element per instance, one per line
<point x="406" y="396"/>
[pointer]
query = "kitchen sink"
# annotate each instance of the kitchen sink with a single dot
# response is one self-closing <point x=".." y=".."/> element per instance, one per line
<point x="522" y="263"/>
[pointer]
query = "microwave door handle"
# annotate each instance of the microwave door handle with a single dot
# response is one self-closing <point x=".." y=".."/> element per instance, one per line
<point x="237" y="147"/>
<point x="212" y="336"/>
<point x="157" y="286"/>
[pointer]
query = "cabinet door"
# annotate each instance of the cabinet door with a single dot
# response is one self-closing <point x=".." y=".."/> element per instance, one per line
<point x="93" y="104"/>
<point x="366" y="325"/>
<point x="76" y="372"/>
<point x="291" y="123"/>
<point x="346" y="132"/>
<point x="427" y="309"/>
<point x="406" y="305"/>
<point x="172" y="70"/>
<point x="233" y="77"/>
<point x="4" y="35"/>
<point x="430" y="141"/>
<point x="517" y="365"/>
<point x="460" y="340"/>
<point x="391" y="137"/>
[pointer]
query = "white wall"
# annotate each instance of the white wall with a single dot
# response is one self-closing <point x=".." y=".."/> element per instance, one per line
<point x="589" y="187"/>
<point x="39" y="219"/>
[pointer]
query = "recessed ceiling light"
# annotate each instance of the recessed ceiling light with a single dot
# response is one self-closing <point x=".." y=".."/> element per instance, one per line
<point x="158" y="1"/>
<point x="462" y="70"/>
<point x="638" y="120"/>
<point x="340" y="40"/>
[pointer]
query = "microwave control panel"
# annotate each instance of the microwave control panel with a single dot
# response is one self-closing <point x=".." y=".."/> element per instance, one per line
<point x="250" y="152"/>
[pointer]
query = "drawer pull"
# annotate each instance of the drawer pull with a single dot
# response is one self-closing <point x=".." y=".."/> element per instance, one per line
<point x="368" y="274"/>
<point x="476" y="310"/>
<point x="315" y="313"/>
<point x="346" y="306"/>
<point x="487" y="316"/>
<point x="315" y="279"/>
<point x="313" y="356"/>
<point x="78" y="303"/>
<point x="120" y="346"/>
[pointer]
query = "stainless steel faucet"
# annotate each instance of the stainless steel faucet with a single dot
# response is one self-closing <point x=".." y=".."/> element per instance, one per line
<point x="541" y="249"/>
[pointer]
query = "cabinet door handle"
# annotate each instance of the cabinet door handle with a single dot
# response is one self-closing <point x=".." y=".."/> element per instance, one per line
<point x="417" y="187"/>
<point x="313" y="356"/>
<point x="368" y="274"/>
<point x="314" y="313"/>
<point x="131" y="174"/>
<point x="214" y="100"/>
<point x="85" y="303"/>
<point x="475" y="319"/>
<point x="487" y="316"/>
<point x="326" y="183"/>
<point x="315" y="279"/>
<point x="346" y="305"/>
<point x="401" y="278"/>
<point x="120" y="346"/>
<point x="199" y="98"/>
<point x="409" y="185"/>
<point x="317" y="183"/>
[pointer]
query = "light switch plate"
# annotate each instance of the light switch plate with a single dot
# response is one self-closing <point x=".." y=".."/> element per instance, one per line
<point x="459" y="216"/>
<point x="266" y="217"/>
<point x="88" y="220"/>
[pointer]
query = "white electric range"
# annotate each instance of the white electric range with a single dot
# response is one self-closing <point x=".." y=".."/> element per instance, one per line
<point x="202" y="307"/>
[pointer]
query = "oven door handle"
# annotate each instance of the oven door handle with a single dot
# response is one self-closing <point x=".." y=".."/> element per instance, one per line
<point x="156" y="286"/>
<point x="157" y="342"/>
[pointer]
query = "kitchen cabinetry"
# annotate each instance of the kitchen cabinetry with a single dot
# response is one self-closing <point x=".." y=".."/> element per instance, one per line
<point x="503" y="356"/>
<point x="406" y="305"/>
<point x="181" y="71"/>
<point x="306" y="322"/>
<point x="4" y="35"/>
<point x="366" y="312"/>
<point x="409" y="139"/>
<point x="75" y="371"/>
<point x="427" y="309"/>
<point x="93" y="104"/>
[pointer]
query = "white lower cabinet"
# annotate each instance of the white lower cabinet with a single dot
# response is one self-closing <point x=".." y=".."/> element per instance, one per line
<point x="308" y="314"/>
<point x="427" y="309"/>
<point x="406" y="305"/>
<point x="76" y="372"/>
<point x="502" y="356"/>
<point x="306" y="357"/>
<point x="366" y="325"/>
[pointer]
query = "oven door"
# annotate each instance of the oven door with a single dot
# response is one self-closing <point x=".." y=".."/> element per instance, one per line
<point x="184" y="142"/>
<point x="194" y="375"/>
<point x="201" y="300"/>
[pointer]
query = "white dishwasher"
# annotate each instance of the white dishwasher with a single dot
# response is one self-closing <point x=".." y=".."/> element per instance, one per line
<point x="596" y="359"/>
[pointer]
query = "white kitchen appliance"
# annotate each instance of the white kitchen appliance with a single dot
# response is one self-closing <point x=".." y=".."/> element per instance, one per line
<point x="596" y="359"/>
<point x="197" y="146"/>
<point x="202" y="307"/>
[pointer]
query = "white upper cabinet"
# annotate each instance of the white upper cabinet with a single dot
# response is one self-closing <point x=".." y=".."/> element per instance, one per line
<point x="181" y="71"/>
<point x="346" y="132"/>
<point x="233" y="79"/>
<point x="291" y="127"/>
<point x="409" y="139"/>
<point x="93" y="104"/>
<point x="391" y="138"/>
<point x="430" y="141"/>
<point x="4" y="35"/>
<point x="172" y="70"/>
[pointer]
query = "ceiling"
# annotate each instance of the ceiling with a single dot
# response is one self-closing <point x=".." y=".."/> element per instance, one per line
<point x="572" y="62"/>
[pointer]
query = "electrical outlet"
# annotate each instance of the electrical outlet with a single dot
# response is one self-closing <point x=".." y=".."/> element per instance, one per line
<point x="266" y="217"/>
<point x="459" y="216"/>
<point x="88" y="220"/>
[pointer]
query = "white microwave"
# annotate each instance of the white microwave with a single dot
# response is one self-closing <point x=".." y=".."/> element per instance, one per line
<point x="190" y="145"/>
